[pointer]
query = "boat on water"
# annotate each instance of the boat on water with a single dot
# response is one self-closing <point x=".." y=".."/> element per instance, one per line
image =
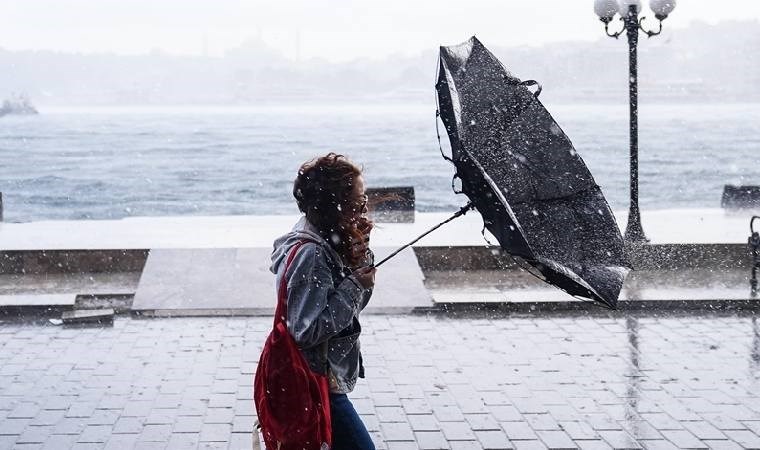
<point x="17" y="105"/>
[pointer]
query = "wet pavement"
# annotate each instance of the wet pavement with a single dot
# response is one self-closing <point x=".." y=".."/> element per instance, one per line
<point x="463" y="382"/>
<point x="666" y="289"/>
<point x="513" y="286"/>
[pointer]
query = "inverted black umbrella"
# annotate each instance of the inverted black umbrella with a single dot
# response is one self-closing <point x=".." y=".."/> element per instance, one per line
<point x="521" y="172"/>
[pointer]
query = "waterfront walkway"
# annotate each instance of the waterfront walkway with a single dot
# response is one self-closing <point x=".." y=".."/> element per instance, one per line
<point x="433" y="382"/>
<point x="217" y="265"/>
<point x="673" y="226"/>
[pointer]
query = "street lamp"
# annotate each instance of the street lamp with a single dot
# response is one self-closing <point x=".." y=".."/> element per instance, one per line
<point x="629" y="10"/>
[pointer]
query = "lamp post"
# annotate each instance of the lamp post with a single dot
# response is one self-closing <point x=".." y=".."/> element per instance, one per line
<point x="629" y="10"/>
<point x="754" y="247"/>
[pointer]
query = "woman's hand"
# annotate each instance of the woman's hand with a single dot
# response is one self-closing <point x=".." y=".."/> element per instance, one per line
<point x="365" y="276"/>
<point x="359" y="248"/>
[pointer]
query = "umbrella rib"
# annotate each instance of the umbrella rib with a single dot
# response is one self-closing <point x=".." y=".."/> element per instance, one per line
<point x="582" y="299"/>
<point x="564" y="197"/>
<point x="531" y="168"/>
<point x="462" y="211"/>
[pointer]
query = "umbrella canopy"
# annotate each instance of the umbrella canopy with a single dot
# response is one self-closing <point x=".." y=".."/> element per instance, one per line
<point x="520" y="170"/>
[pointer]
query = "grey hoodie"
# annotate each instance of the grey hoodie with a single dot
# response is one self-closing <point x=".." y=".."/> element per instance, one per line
<point x="324" y="301"/>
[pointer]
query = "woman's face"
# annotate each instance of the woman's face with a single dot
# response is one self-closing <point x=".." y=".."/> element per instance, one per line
<point x="359" y="199"/>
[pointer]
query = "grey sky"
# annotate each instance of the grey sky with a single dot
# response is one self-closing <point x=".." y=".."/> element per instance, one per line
<point x="330" y="29"/>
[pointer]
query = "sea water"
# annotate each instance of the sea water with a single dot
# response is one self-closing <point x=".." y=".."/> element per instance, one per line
<point x="104" y="163"/>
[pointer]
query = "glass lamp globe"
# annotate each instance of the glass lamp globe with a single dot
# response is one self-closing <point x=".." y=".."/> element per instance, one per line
<point x="662" y="8"/>
<point x="625" y="5"/>
<point x="605" y="9"/>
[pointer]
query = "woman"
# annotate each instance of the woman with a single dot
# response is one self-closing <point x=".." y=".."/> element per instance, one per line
<point x="329" y="282"/>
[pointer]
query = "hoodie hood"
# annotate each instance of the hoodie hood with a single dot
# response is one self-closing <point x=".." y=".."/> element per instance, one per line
<point x="303" y="230"/>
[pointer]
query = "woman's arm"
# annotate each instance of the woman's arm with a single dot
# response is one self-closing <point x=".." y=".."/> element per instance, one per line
<point x="317" y="309"/>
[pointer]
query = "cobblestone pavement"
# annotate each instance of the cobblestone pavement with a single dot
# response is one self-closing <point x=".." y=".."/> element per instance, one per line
<point x="524" y="382"/>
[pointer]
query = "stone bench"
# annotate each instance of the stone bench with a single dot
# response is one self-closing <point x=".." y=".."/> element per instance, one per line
<point x="391" y="204"/>
<point x="740" y="197"/>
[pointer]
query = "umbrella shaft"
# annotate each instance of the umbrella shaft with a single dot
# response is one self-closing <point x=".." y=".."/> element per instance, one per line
<point x="462" y="211"/>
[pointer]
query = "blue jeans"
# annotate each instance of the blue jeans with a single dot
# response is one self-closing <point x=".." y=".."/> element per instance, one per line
<point x="348" y="430"/>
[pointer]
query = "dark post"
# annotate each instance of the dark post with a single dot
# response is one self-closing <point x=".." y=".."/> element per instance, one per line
<point x="755" y="353"/>
<point x="607" y="10"/>
<point x="634" y="232"/>
<point x="754" y="248"/>
<point x="1" y="206"/>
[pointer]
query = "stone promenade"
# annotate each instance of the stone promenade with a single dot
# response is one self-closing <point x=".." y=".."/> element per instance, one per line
<point x="433" y="382"/>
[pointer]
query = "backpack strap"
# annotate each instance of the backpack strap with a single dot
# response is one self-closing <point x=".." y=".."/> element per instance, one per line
<point x="280" y="314"/>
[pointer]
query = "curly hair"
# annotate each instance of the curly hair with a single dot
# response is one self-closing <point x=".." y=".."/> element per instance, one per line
<point x="324" y="192"/>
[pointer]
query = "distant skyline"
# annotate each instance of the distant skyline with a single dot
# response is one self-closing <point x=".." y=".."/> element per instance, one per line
<point x="334" y="30"/>
<point x="681" y="65"/>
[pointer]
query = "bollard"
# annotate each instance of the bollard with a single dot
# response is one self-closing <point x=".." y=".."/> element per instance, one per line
<point x="740" y="197"/>
<point x="391" y="204"/>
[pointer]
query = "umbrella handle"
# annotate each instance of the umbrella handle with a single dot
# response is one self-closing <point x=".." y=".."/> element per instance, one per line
<point x="462" y="211"/>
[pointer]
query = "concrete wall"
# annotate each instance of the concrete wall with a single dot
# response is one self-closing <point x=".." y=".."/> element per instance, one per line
<point x="71" y="261"/>
<point x="648" y="257"/>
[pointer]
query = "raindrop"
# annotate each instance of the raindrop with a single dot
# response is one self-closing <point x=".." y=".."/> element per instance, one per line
<point x="535" y="213"/>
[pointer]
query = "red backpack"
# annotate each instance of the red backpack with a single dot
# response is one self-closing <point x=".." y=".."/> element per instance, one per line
<point x="292" y="402"/>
